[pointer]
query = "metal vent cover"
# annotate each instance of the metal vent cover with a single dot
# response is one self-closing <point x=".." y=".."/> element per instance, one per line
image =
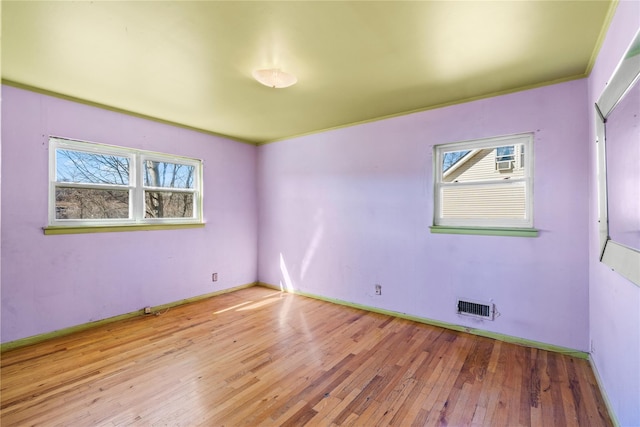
<point x="476" y="309"/>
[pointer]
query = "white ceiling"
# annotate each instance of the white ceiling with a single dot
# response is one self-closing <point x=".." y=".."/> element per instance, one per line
<point x="190" y="62"/>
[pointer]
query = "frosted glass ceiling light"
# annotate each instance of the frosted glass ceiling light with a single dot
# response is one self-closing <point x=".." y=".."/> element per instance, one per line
<point x="274" y="78"/>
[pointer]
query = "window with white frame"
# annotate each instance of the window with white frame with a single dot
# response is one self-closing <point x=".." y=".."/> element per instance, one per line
<point x="485" y="183"/>
<point x="99" y="185"/>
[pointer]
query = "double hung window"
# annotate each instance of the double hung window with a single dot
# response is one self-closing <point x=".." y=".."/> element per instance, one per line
<point x="101" y="185"/>
<point x="484" y="183"/>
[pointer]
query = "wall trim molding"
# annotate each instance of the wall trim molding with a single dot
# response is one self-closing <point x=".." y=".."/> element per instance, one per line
<point x="58" y="95"/>
<point x="85" y="229"/>
<point x="485" y="231"/>
<point x="258" y="143"/>
<point x="480" y="332"/>
<point x="23" y="342"/>
<point x="603" y="392"/>
<point x="431" y="107"/>
<point x="11" y="345"/>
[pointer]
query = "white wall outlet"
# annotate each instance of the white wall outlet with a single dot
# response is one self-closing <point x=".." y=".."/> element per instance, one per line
<point x="147" y="310"/>
<point x="378" y="290"/>
<point x="214" y="277"/>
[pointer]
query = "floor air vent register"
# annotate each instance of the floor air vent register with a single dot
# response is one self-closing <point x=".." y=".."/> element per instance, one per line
<point x="476" y="309"/>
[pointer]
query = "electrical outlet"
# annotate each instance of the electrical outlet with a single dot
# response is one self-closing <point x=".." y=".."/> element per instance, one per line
<point x="147" y="310"/>
<point x="378" y="290"/>
<point x="214" y="277"/>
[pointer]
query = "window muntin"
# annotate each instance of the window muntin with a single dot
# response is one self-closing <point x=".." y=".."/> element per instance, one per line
<point x="96" y="185"/>
<point x="484" y="183"/>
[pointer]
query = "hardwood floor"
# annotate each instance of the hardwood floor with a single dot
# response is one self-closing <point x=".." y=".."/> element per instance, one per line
<point x="260" y="357"/>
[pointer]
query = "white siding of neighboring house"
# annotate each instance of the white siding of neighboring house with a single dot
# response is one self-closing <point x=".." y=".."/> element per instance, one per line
<point x="480" y="201"/>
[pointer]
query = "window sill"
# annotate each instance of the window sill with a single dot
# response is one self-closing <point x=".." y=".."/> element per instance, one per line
<point x="117" y="228"/>
<point x="483" y="231"/>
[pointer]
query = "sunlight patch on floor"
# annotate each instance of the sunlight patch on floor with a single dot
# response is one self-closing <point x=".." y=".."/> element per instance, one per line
<point x="232" y="307"/>
<point x="259" y="304"/>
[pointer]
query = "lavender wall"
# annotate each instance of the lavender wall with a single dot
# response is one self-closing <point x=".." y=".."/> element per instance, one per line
<point x="53" y="282"/>
<point x="614" y="301"/>
<point x="343" y="210"/>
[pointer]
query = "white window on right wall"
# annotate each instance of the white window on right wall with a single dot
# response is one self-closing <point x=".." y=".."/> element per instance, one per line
<point x="484" y="184"/>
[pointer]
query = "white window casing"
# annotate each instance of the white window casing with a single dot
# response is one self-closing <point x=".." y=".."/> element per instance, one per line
<point x="104" y="185"/>
<point x="478" y="190"/>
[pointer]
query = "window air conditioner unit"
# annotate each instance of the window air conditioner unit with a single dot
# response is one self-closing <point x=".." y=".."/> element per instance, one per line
<point x="504" y="165"/>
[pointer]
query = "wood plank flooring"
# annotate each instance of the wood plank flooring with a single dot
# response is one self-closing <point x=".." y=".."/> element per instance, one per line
<point x="258" y="357"/>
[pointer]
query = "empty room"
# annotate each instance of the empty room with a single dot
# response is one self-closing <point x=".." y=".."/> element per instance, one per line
<point x="323" y="213"/>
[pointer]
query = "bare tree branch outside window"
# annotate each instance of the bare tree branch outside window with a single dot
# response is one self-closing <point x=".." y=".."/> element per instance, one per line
<point x="80" y="167"/>
<point x="167" y="187"/>
<point x="168" y="204"/>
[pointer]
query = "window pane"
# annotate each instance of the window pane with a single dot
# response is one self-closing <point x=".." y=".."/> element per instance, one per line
<point x="168" y="175"/>
<point x="88" y="203"/>
<point x="164" y="204"/>
<point x="485" y="164"/>
<point x="91" y="168"/>
<point x="451" y="158"/>
<point x="484" y="201"/>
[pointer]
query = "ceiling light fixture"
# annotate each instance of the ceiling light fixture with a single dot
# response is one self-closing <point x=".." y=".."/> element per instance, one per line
<point x="275" y="78"/>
